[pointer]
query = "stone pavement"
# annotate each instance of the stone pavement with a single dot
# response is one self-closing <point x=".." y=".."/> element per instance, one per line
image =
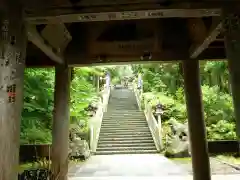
<point x="127" y="165"/>
<point x="170" y="177"/>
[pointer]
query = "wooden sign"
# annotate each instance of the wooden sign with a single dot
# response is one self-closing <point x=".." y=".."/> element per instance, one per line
<point x="124" y="48"/>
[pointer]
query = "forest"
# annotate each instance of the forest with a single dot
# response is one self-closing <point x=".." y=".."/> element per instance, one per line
<point x="36" y="124"/>
<point x="162" y="81"/>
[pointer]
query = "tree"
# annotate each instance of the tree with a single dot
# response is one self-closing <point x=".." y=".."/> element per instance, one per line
<point x="36" y="125"/>
<point x="165" y="82"/>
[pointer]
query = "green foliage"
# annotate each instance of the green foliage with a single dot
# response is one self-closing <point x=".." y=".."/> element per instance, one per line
<point x="36" y="125"/>
<point x="164" y="83"/>
<point x="217" y="105"/>
<point x="38" y="106"/>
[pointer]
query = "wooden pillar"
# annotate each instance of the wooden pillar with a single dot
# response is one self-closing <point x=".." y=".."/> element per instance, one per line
<point x="12" y="61"/>
<point x="61" y="123"/>
<point x="196" y="124"/>
<point x="232" y="44"/>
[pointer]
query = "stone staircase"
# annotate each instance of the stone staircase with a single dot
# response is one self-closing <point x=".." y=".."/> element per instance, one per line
<point x="124" y="128"/>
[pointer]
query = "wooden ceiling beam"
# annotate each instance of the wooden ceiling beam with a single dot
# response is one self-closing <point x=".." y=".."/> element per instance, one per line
<point x="40" y="60"/>
<point x="197" y="49"/>
<point x="123" y="15"/>
<point x="36" y="39"/>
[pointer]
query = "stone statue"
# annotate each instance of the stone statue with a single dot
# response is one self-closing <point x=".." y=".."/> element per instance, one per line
<point x="79" y="147"/>
<point x="178" y="144"/>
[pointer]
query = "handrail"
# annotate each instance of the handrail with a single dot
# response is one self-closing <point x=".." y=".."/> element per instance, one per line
<point x="96" y="121"/>
<point x="138" y="95"/>
<point x="154" y="126"/>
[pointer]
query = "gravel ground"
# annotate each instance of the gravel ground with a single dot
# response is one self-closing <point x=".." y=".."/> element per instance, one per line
<point x="217" y="167"/>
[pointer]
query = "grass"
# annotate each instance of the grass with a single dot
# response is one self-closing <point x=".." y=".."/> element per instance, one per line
<point x="23" y="167"/>
<point x="227" y="158"/>
<point x="230" y="159"/>
<point x="33" y="165"/>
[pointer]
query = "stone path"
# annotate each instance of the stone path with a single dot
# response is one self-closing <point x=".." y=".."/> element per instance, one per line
<point x="217" y="167"/>
<point x="127" y="165"/>
<point x="176" y="177"/>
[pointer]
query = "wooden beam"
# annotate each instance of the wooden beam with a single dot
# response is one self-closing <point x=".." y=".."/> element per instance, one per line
<point x="36" y="39"/>
<point x="123" y="15"/>
<point x="12" y="48"/>
<point x="197" y="49"/>
<point x="60" y="132"/>
<point x="196" y="123"/>
<point x="88" y="60"/>
<point x="232" y="42"/>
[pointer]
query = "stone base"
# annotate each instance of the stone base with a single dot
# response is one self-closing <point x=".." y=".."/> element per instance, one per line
<point x="183" y="154"/>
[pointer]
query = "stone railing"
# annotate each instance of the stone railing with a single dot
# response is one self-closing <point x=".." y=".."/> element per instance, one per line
<point x="96" y="121"/>
<point x="154" y="125"/>
<point x="138" y="95"/>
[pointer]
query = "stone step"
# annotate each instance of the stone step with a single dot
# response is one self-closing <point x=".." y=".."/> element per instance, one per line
<point x="127" y="101"/>
<point x="121" y="103"/>
<point x="127" y="152"/>
<point x="130" y="138"/>
<point x="125" y="112"/>
<point x="106" y="126"/>
<point x="121" y="108"/>
<point x="119" y="123"/>
<point x="134" y="141"/>
<point x="124" y="127"/>
<point x="123" y="119"/>
<point x="124" y="144"/>
<point x="135" y="131"/>
<point x="126" y="148"/>
<point x="112" y="106"/>
<point x="125" y="134"/>
<point x="122" y="116"/>
<point x="129" y="132"/>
